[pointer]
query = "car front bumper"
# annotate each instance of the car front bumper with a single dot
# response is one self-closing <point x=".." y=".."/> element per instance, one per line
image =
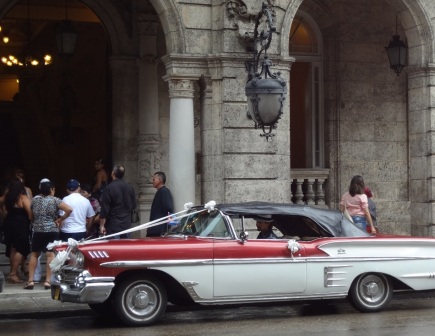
<point x="84" y="289"/>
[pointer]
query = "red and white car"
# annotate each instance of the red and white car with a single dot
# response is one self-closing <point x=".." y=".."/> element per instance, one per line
<point x="208" y="259"/>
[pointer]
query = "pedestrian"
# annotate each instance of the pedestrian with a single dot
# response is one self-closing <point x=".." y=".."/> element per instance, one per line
<point x="17" y="225"/>
<point x="356" y="203"/>
<point x="118" y="203"/>
<point x="79" y="223"/>
<point x="101" y="179"/>
<point x="19" y="174"/>
<point x="372" y="208"/>
<point x="162" y="205"/>
<point x="86" y="191"/>
<point x="46" y="222"/>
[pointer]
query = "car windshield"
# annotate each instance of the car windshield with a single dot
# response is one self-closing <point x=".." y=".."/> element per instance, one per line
<point x="203" y="224"/>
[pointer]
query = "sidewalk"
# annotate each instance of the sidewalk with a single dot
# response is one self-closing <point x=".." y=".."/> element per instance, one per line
<point x="15" y="300"/>
<point x="18" y="302"/>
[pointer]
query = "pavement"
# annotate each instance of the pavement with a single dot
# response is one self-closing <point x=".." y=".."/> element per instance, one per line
<point x="16" y="302"/>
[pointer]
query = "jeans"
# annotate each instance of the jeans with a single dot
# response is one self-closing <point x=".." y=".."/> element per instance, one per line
<point x="360" y="222"/>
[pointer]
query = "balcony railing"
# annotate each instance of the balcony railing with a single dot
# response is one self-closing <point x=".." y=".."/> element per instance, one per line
<point x="308" y="186"/>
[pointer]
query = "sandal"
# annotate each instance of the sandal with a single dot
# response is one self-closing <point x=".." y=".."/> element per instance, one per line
<point x="29" y="285"/>
<point x="14" y="278"/>
<point x="47" y="285"/>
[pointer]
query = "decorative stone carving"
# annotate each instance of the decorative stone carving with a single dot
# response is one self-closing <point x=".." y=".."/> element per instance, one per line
<point x="236" y="8"/>
<point x="149" y="157"/>
<point x="181" y="88"/>
<point x="243" y="17"/>
<point x="205" y="85"/>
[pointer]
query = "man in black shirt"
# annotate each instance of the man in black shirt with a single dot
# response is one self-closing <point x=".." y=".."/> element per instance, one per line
<point x="162" y="205"/>
<point x="117" y="203"/>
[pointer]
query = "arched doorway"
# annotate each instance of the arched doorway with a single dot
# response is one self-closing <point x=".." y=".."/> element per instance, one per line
<point x="59" y="113"/>
<point x="306" y="94"/>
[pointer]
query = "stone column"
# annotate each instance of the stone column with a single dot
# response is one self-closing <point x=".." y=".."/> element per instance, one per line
<point x="124" y="115"/>
<point x="148" y="121"/>
<point x="181" y="178"/>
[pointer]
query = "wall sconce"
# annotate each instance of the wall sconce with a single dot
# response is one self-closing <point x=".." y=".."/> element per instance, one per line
<point x="397" y="51"/>
<point x="265" y="95"/>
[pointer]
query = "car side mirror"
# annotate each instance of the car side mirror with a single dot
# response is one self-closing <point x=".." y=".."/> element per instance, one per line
<point x="244" y="236"/>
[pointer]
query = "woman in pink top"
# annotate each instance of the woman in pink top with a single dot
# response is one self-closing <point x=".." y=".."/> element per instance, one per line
<point x="356" y="203"/>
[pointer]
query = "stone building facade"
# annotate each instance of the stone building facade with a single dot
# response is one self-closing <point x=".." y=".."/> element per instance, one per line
<point x="177" y="75"/>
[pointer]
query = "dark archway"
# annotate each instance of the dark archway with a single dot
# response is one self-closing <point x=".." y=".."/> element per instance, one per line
<point x="60" y="114"/>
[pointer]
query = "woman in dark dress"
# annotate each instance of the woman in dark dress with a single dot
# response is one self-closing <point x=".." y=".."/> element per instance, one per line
<point x="101" y="179"/>
<point x="17" y="227"/>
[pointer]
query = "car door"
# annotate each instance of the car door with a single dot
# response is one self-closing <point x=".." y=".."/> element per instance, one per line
<point x="257" y="268"/>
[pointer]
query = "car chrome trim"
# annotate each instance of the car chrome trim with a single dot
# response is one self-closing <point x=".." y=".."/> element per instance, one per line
<point x="419" y="276"/>
<point x="98" y="254"/>
<point x="245" y="261"/>
<point x="260" y="298"/>
<point x="156" y="263"/>
<point x="190" y="290"/>
<point x="333" y="277"/>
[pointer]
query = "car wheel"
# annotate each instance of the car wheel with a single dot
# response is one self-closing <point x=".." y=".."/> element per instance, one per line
<point x="140" y="300"/>
<point x="370" y="292"/>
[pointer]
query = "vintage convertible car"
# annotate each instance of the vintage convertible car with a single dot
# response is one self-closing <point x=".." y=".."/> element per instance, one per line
<point x="208" y="259"/>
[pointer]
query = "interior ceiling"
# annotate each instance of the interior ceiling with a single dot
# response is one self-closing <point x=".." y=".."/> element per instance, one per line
<point x="31" y="16"/>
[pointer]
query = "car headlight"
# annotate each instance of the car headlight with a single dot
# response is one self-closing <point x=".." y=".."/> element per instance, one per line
<point x="76" y="259"/>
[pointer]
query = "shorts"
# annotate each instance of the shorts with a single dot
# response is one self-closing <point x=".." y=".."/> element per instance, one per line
<point x="360" y="222"/>
<point x="74" y="235"/>
<point x="40" y="240"/>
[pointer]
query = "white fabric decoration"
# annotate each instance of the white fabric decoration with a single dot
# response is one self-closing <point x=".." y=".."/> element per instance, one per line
<point x="59" y="260"/>
<point x="210" y="206"/>
<point x="55" y="243"/>
<point x="293" y="246"/>
<point x="188" y="206"/>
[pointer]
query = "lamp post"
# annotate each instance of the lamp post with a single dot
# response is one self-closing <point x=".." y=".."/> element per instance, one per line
<point x="265" y="95"/>
<point x="396" y="51"/>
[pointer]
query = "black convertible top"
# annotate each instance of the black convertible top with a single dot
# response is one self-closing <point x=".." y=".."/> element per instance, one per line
<point x="332" y="221"/>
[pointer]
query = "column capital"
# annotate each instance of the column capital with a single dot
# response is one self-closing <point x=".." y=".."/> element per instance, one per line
<point x="180" y="86"/>
<point x="205" y="84"/>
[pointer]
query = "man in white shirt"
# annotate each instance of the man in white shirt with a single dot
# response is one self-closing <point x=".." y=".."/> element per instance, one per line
<point x="82" y="217"/>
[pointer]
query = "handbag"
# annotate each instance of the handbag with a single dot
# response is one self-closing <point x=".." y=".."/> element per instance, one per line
<point x="347" y="215"/>
<point x="134" y="215"/>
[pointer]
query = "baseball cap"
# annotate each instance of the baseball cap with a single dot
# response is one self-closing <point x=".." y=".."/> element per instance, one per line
<point x="72" y="185"/>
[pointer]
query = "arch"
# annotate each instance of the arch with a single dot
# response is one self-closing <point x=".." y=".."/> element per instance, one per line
<point x="120" y="38"/>
<point x="117" y="29"/>
<point x="171" y="21"/>
<point x="413" y="17"/>
<point x="289" y="15"/>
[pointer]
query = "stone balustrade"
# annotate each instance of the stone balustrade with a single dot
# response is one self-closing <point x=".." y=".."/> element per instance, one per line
<point x="308" y="186"/>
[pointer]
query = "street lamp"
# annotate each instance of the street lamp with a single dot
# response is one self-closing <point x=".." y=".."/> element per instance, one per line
<point x="396" y="51"/>
<point x="265" y="95"/>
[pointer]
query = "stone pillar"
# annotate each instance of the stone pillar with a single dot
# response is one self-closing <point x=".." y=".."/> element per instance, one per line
<point x="148" y="121"/>
<point x="421" y="119"/>
<point x="181" y="178"/>
<point x="124" y="115"/>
